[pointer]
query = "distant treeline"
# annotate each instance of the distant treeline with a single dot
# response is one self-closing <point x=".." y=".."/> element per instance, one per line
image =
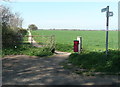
<point x="77" y="30"/>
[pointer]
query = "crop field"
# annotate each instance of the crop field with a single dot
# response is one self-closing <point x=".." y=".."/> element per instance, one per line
<point x="92" y="40"/>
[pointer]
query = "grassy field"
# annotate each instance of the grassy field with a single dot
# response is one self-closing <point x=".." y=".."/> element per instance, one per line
<point x="92" y="40"/>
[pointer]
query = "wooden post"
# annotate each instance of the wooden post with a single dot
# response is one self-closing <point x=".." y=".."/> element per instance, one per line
<point x="79" y="38"/>
<point x="54" y="41"/>
<point x="31" y="39"/>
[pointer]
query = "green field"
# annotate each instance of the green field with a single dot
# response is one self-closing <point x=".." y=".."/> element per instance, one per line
<point x="92" y="40"/>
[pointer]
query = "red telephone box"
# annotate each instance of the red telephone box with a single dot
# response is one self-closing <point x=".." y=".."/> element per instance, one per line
<point x="76" y="43"/>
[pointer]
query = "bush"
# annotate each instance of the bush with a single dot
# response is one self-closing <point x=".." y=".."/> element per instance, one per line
<point x="11" y="37"/>
<point x="22" y="31"/>
<point x="8" y="36"/>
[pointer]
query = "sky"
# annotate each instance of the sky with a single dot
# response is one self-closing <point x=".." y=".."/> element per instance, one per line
<point x="65" y="15"/>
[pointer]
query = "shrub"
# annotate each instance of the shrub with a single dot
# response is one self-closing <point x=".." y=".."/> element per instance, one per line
<point x="22" y="31"/>
<point x="10" y="37"/>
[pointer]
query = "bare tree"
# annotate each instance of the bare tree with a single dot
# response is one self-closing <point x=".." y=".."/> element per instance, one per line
<point x="5" y="14"/>
<point x="20" y="22"/>
<point x="13" y="20"/>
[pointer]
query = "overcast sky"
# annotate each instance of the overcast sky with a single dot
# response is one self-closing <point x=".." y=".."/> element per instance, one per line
<point x="65" y="15"/>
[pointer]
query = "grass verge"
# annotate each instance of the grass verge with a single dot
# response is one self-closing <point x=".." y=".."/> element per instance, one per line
<point x="27" y="49"/>
<point x="97" y="61"/>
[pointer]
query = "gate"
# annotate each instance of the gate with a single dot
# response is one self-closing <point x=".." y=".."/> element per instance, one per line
<point x="40" y="40"/>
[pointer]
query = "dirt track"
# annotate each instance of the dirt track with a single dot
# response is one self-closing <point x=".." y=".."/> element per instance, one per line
<point x="26" y="70"/>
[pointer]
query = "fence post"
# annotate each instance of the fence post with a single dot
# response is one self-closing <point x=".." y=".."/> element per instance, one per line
<point x="79" y="38"/>
<point x="54" y="41"/>
<point x="31" y="39"/>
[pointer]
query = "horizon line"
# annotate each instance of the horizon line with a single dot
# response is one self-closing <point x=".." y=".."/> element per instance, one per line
<point x="84" y="29"/>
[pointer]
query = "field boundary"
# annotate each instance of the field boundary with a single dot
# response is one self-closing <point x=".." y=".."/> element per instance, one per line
<point x="50" y="43"/>
<point x="77" y="30"/>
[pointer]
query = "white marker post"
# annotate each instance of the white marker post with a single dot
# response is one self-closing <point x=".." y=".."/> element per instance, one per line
<point x="79" y="38"/>
<point x="108" y="14"/>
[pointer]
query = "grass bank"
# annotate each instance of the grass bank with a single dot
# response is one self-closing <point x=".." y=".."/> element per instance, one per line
<point x="97" y="61"/>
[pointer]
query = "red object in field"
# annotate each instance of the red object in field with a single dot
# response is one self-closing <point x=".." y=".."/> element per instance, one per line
<point x="76" y="43"/>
